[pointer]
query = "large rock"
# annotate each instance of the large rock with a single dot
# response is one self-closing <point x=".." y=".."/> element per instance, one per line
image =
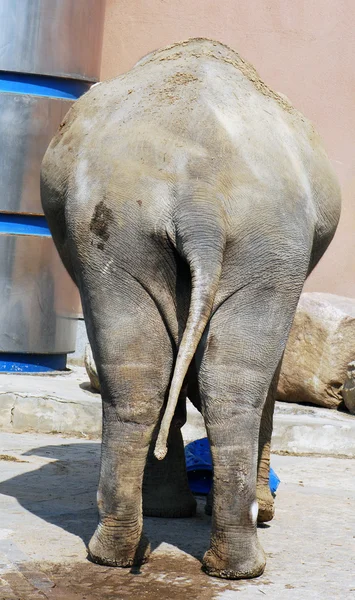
<point x="320" y="346"/>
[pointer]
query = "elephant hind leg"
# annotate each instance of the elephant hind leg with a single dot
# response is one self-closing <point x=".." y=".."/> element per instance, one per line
<point x="266" y="509"/>
<point x="133" y="354"/>
<point x="246" y="339"/>
<point x="166" y="491"/>
<point x="263" y="494"/>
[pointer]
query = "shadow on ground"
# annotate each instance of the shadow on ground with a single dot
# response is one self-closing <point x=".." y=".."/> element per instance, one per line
<point x="63" y="493"/>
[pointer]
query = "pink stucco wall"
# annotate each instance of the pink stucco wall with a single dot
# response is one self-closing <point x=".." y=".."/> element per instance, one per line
<point x="303" y="48"/>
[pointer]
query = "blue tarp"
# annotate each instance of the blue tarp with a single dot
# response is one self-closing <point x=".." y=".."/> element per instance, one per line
<point x="200" y="471"/>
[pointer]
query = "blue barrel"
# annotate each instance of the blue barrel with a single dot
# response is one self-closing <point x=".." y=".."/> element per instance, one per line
<point x="50" y="55"/>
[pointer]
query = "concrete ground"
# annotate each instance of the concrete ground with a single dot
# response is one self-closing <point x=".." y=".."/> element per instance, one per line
<point x="48" y="512"/>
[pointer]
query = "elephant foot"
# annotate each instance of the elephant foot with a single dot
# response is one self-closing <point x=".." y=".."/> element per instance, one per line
<point x="113" y="547"/>
<point x="168" y="503"/>
<point x="245" y="566"/>
<point x="266" y="504"/>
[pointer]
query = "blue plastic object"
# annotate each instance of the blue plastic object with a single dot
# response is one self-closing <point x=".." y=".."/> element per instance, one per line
<point x="42" y="85"/>
<point x="32" y="363"/>
<point x="274" y="481"/>
<point x="24" y="225"/>
<point x="199" y="468"/>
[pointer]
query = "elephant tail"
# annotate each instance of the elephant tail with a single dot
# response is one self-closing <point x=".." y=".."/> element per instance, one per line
<point x="200" y="240"/>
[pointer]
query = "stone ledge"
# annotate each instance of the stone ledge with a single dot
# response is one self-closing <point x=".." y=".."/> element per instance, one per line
<point x="63" y="403"/>
<point x="305" y="430"/>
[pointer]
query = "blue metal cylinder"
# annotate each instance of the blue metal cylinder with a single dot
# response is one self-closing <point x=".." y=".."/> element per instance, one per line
<point x="50" y="55"/>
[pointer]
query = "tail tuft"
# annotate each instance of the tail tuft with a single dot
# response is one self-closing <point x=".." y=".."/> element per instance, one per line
<point x="160" y="450"/>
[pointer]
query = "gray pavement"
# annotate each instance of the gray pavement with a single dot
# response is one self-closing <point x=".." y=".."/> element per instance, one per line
<point x="48" y="512"/>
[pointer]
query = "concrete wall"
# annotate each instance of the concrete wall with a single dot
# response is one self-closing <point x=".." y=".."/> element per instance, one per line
<point x="303" y="48"/>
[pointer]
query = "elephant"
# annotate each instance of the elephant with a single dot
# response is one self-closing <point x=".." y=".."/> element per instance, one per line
<point x="189" y="202"/>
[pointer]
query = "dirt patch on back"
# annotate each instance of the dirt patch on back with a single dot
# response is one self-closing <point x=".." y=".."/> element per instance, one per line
<point x="169" y="91"/>
<point x="202" y="47"/>
<point x="248" y="70"/>
<point x="182" y="78"/>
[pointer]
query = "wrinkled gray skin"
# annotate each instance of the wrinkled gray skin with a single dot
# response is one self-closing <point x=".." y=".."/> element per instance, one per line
<point x="188" y="202"/>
